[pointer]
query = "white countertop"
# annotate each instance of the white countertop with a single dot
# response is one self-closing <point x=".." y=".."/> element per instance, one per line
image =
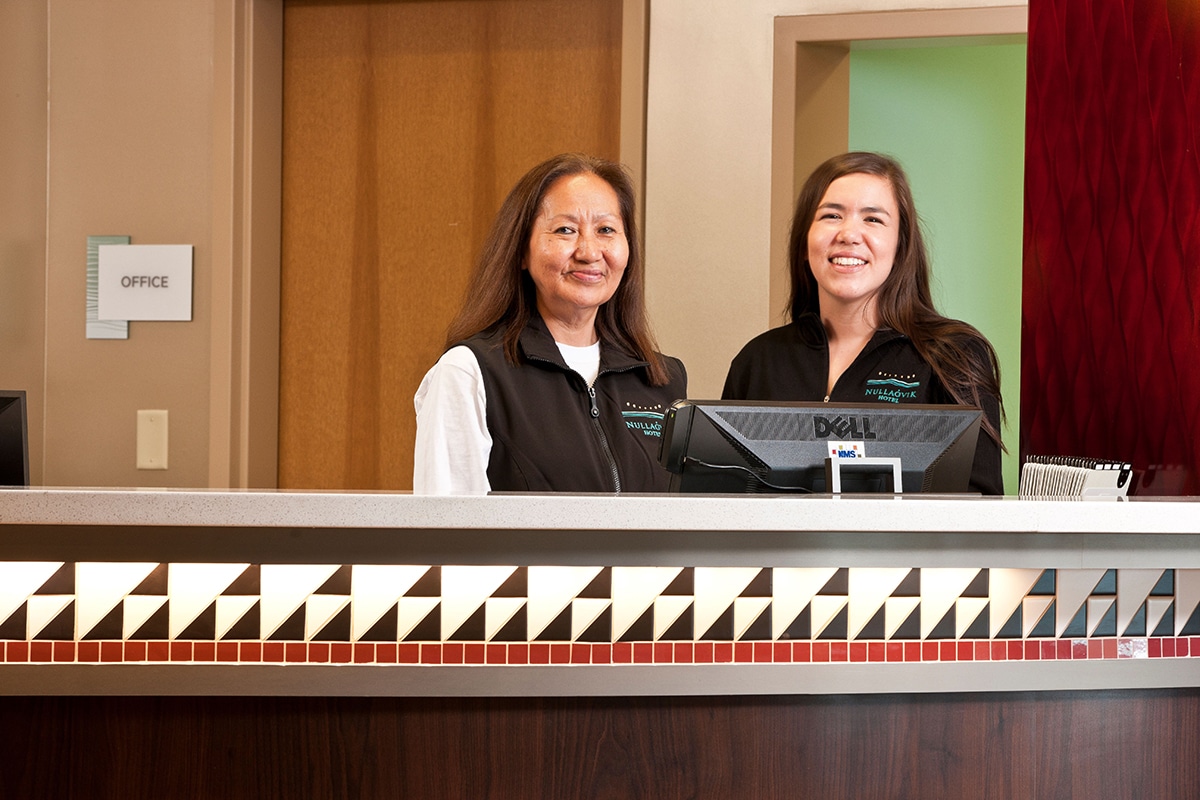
<point x="163" y="507"/>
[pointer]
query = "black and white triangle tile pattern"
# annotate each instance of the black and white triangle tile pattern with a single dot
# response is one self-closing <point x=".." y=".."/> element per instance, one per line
<point x="598" y="604"/>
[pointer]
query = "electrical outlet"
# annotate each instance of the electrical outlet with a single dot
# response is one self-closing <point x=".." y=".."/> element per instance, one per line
<point x="152" y="439"/>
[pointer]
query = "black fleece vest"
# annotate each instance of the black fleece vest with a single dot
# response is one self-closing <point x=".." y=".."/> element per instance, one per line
<point x="551" y="433"/>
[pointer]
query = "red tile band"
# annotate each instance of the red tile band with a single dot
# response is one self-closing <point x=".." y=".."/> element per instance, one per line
<point x="585" y="653"/>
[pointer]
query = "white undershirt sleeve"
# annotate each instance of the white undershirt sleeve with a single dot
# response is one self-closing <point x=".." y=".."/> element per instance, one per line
<point x="453" y="443"/>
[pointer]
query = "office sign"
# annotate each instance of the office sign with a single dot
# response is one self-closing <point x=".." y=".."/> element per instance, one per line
<point x="145" y="282"/>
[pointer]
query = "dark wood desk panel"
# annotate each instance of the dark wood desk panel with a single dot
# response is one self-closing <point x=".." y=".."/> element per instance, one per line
<point x="1130" y="744"/>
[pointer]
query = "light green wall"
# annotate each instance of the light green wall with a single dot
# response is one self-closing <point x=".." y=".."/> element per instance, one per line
<point x="955" y="118"/>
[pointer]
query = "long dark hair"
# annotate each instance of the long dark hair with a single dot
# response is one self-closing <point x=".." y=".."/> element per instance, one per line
<point x="962" y="359"/>
<point x="500" y="292"/>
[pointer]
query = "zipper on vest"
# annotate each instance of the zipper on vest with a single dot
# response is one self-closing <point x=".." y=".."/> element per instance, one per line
<point x="612" y="463"/>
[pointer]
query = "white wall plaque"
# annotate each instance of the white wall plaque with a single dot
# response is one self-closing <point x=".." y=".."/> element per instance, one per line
<point x="145" y="282"/>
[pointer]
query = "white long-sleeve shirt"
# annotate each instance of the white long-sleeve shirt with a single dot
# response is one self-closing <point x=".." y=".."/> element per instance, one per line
<point x="453" y="443"/>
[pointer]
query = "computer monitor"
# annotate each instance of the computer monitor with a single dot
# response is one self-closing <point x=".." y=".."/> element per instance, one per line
<point x="14" y="440"/>
<point x="736" y="447"/>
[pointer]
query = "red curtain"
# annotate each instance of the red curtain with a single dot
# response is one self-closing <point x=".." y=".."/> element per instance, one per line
<point x="1111" y="296"/>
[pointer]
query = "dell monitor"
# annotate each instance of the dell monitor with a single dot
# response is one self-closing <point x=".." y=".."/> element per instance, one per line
<point x="737" y="447"/>
<point x="14" y="440"/>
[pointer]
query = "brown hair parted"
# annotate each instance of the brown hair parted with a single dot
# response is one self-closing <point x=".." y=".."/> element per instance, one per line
<point x="500" y="291"/>
<point x="963" y="360"/>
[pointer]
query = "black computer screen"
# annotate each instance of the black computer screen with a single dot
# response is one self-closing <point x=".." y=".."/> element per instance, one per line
<point x="736" y="447"/>
<point x="14" y="440"/>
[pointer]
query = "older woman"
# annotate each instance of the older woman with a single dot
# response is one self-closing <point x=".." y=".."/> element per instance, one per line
<point x="551" y="380"/>
<point x="864" y="328"/>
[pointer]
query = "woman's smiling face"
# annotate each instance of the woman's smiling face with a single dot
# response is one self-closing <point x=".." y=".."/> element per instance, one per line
<point x="577" y="249"/>
<point x="852" y="241"/>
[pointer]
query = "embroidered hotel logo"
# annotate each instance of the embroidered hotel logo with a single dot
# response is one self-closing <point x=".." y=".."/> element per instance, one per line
<point x="647" y="420"/>
<point x="840" y="427"/>
<point x="890" y="388"/>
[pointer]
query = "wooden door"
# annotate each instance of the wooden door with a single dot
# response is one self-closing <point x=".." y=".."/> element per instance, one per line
<point x="405" y="124"/>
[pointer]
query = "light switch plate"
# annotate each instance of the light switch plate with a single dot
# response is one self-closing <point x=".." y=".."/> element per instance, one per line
<point x="152" y="439"/>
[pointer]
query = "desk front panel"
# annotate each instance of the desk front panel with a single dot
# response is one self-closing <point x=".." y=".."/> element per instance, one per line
<point x="272" y="593"/>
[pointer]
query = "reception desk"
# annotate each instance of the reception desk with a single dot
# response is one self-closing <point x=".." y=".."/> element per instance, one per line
<point x="122" y="592"/>
<point x="597" y="646"/>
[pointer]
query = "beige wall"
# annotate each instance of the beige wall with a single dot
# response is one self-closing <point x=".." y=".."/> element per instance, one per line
<point x="144" y="134"/>
<point x="23" y="207"/>
<point x="129" y="153"/>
